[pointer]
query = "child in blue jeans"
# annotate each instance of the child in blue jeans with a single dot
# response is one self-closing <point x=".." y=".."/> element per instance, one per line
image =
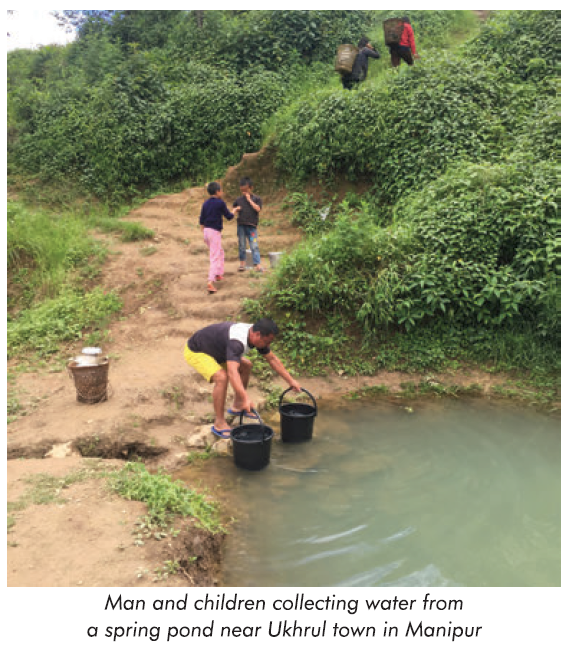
<point x="247" y="207"/>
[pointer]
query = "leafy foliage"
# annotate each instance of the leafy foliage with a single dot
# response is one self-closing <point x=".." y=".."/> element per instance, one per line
<point x="147" y="97"/>
<point x="164" y="497"/>
<point x="272" y="39"/>
<point x="465" y="153"/>
<point x="484" y="248"/>
<point x="132" y="129"/>
<point x="42" y="328"/>
<point x="399" y="136"/>
<point x="537" y="41"/>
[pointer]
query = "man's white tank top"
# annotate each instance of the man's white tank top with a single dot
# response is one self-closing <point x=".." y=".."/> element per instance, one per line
<point x="239" y="331"/>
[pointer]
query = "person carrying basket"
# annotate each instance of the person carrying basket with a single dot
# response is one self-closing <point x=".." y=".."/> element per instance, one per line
<point x="405" y="47"/>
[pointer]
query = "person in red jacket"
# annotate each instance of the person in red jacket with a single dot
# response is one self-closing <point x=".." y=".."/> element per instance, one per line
<point x="406" y="49"/>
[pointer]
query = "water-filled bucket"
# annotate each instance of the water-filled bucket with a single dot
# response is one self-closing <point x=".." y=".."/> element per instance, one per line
<point x="297" y="419"/>
<point x="251" y="444"/>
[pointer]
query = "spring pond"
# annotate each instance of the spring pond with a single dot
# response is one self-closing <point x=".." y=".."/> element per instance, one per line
<point x="437" y="493"/>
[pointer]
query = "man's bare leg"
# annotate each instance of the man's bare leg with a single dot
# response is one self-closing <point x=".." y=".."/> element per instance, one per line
<point x="220" y="381"/>
<point x="245" y="368"/>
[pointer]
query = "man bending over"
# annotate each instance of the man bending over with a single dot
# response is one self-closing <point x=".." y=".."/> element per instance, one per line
<point x="218" y="352"/>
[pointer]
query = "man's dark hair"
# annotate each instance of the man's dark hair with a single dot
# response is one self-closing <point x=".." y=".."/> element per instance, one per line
<point x="245" y="181"/>
<point x="265" y="327"/>
<point x="363" y="42"/>
<point x="213" y="187"/>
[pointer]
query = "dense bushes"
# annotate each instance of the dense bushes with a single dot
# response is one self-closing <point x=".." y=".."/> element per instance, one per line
<point x="523" y="44"/>
<point x="150" y="96"/>
<point x="484" y="248"/>
<point x="465" y="153"/>
<point x="407" y="130"/>
<point x="133" y="129"/>
<point x="275" y="40"/>
<point x="401" y="135"/>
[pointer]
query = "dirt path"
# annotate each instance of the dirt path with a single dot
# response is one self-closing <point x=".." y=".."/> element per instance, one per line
<point x="158" y="409"/>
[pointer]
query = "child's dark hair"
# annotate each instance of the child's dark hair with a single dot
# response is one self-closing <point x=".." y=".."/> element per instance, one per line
<point x="363" y="42"/>
<point x="245" y="181"/>
<point x="265" y="327"/>
<point x="213" y="188"/>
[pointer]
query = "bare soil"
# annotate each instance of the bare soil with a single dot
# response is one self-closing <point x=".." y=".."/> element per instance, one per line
<point x="158" y="408"/>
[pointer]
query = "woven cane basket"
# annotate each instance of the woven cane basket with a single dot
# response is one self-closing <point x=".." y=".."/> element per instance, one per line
<point x="91" y="382"/>
<point x="345" y="57"/>
<point x="393" y="29"/>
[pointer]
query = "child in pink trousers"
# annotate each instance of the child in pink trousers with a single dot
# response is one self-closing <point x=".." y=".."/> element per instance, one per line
<point x="211" y="221"/>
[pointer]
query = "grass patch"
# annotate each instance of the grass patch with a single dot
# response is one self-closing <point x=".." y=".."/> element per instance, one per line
<point x="128" y="232"/>
<point x="174" y="395"/>
<point x="45" y="253"/>
<point x="42" y="328"/>
<point x="165" y="498"/>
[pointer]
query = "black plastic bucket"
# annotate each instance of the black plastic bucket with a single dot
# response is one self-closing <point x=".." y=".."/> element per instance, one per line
<point x="297" y="419"/>
<point x="252" y="444"/>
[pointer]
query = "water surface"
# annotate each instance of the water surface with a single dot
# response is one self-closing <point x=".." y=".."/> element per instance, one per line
<point x="443" y="493"/>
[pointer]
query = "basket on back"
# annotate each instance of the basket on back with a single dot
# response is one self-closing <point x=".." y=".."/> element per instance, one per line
<point x="345" y="57"/>
<point x="393" y="28"/>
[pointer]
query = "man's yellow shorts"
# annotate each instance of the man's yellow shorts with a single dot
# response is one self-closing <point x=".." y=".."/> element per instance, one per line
<point x="204" y="364"/>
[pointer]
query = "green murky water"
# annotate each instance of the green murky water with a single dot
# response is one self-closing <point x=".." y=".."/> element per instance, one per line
<point x="451" y="493"/>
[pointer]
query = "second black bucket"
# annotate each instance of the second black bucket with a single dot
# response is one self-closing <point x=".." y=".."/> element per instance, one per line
<point x="252" y="444"/>
<point x="297" y="419"/>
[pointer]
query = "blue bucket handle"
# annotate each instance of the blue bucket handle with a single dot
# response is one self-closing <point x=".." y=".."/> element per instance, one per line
<point x="305" y="391"/>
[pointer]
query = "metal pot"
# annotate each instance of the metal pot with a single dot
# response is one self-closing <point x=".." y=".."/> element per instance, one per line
<point x="274" y="258"/>
<point x="90" y="356"/>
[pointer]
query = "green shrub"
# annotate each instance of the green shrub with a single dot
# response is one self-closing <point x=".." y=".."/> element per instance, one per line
<point x="485" y="248"/>
<point x="328" y="272"/>
<point x="164" y="497"/>
<point x="41" y="329"/>
<point x="133" y="129"/>
<point x="274" y="39"/>
<point x="400" y="135"/>
<point x="524" y="44"/>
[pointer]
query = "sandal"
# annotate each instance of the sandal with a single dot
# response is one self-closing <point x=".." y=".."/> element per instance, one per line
<point x="211" y="288"/>
<point x="221" y="433"/>
<point x="234" y="412"/>
<point x="219" y="277"/>
<point x="242" y="268"/>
